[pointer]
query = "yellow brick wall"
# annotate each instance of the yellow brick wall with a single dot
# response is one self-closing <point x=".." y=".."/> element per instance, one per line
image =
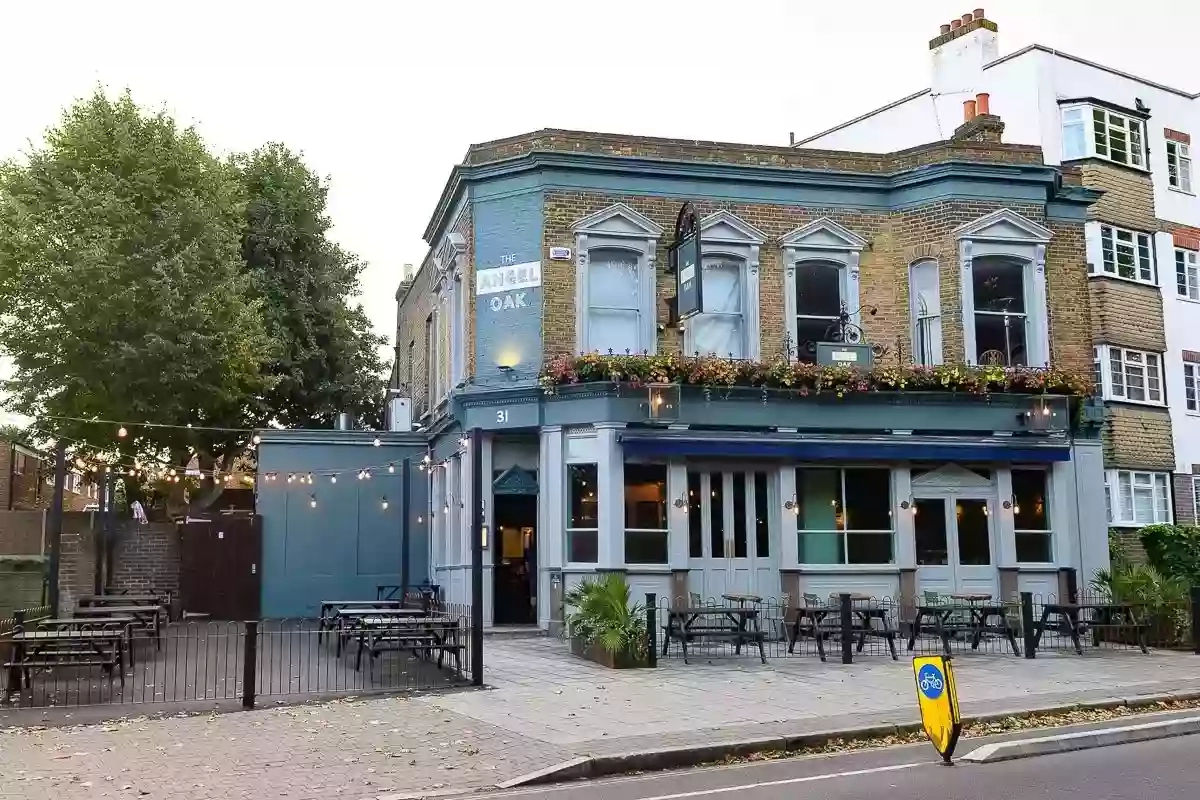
<point x="1128" y="199"/>
<point x="1127" y="314"/>
<point x="1137" y="437"/>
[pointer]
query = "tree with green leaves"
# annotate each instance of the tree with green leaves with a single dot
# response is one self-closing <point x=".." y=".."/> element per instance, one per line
<point x="325" y="356"/>
<point x="123" y="288"/>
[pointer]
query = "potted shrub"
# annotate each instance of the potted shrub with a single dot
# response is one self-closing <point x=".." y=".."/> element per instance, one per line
<point x="1160" y="601"/>
<point x="602" y="625"/>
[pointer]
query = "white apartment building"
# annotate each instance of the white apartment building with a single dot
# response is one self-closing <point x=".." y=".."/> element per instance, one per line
<point x="1132" y="138"/>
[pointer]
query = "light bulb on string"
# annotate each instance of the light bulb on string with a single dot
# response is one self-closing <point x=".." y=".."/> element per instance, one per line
<point x="256" y="439"/>
<point x="427" y="459"/>
<point x="291" y="478"/>
<point x="376" y="442"/>
<point x="312" y="501"/>
<point x="420" y="519"/>
<point x="384" y="503"/>
<point x="310" y="478"/>
<point x="333" y="478"/>
<point x="121" y="432"/>
<point x="391" y="468"/>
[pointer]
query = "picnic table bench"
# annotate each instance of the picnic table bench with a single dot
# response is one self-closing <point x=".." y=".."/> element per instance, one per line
<point x="153" y="598"/>
<point x="977" y="619"/>
<point x="329" y="610"/>
<point x="738" y="624"/>
<point x="49" y="649"/>
<point x="122" y="623"/>
<point x="147" y="616"/>
<point x="346" y="620"/>
<point x="813" y="619"/>
<point x="1081" y="617"/>
<point x="417" y="634"/>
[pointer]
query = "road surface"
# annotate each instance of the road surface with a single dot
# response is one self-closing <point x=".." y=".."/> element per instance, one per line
<point x="1164" y="768"/>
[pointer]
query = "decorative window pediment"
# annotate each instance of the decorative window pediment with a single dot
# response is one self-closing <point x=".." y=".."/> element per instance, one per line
<point x="1004" y="225"/>
<point x="723" y="226"/>
<point x="618" y="220"/>
<point x="951" y="476"/>
<point x="824" y="234"/>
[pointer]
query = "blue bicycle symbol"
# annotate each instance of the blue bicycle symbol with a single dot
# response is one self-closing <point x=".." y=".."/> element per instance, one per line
<point x="931" y="682"/>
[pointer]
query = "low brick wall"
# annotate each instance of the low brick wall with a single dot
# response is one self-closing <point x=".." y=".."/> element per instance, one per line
<point x="21" y="533"/>
<point x="21" y="581"/>
<point x="146" y="557"/>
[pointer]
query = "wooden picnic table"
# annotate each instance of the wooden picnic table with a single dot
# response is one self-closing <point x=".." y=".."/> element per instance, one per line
<point x="971" y="597"/>
<point x="811" y="620"/>
<point x="120" y="599"/>
<point x="736" y="623"/>
<point x="742" y="599"/>
<point x="93" y="623"/>
<point x="419" y="634"/>
<point x="329" y="610"/>
<point x="1099" y="616"/>
<point x="979" y="616"/>
<point x="345" y="620"/>
<point x="54" y="648"/>
<point x="148" y="616"/>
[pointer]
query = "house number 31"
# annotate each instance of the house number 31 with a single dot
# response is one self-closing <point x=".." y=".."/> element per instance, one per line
<point x="502" y="415"/>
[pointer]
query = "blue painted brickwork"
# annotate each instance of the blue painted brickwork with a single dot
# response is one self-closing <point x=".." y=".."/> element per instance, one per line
<point x="349" y="543"/>
<point x="508" y="230"/>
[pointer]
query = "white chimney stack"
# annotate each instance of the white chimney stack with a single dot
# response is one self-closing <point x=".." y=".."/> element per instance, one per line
<point x="959" y="52"/>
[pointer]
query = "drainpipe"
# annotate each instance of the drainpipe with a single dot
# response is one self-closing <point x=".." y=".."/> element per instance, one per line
<point x="12" y="472"/>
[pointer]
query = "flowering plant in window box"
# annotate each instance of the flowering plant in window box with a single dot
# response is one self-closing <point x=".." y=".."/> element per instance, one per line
<point x="808" y="379"/>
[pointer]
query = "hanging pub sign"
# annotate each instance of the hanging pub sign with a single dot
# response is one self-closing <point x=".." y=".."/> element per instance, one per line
<point x="685" y="263"/>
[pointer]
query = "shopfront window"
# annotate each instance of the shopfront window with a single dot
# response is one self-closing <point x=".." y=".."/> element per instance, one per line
<point x="844" y="516"/>
<point x="1031" y="516"/>
<point x="583" y="527"/>
<point x="646" y="514"/>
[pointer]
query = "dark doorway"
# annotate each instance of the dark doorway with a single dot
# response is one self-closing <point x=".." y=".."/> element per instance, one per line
<point x="515" y="559"/>
<point x="220" y="573"/>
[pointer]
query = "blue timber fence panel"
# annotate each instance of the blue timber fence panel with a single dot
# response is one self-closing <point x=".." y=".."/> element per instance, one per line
<point x="348" y="542"/>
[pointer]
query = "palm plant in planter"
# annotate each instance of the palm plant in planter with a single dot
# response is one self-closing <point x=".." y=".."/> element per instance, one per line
<point x="603" y="626"/>
<point x="1161" y="601"/>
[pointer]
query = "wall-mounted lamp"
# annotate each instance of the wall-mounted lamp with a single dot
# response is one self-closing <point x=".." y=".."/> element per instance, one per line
<point x="483" y="536"/>
<point x="1013" y="504"/>
<point x="793" y="505"/>
<point x="909" y="505"/>
<point x="681" y="502"/>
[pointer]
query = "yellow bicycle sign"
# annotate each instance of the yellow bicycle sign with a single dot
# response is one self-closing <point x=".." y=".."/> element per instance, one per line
<point x="938" y="700"/>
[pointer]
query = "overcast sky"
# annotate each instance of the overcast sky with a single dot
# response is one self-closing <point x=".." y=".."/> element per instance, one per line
<point x="385" y="97"/>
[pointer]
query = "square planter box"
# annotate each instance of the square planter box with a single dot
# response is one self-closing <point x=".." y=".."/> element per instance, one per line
<point x="595" y="653"/>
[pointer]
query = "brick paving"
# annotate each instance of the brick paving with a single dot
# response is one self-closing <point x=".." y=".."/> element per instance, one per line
<point x="544" y="707"/>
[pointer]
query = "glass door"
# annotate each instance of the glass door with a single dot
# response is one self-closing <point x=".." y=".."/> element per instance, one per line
<point x="954" y="545"/>
<point x="729" y="542"/>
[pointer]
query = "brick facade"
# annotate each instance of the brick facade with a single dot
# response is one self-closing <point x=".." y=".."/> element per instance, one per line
<point x="1128" y="199"/>
<point x="1127" y="314"/>
<point x="23" y="481"/>
<point x="1186" y="499"/>
<point x="1138" y="437"/>
<point x="146" y="557"/>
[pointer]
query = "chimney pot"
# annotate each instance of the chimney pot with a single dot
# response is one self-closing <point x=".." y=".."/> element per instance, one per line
<point x="977" y="13"/>
<point x="968" y="110"/>
<point x="946" y="28"/>
<point x="967" y="19"/>
<point x="981" y="103"/>
<point x="955" y="24"/>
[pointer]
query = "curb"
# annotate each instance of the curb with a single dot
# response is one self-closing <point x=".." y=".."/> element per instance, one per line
<point x="1085" y="740"/>
<point x="654" y="760"/>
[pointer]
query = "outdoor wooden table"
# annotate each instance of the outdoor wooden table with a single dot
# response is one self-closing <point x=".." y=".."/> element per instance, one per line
<point x="148" y="616"/>
<point x="91" y="624"/>
<point x="1102" y="615"/>
<point x="420" y="634"/>
<point x="979" y="613"/>
<point x="330" y="607"/>
<point x="346" y="620"/>
<point x="742" y="627"/>
<point x="120" y="599"/>
<point x="810" y="619"/>
<point x="971" y="597"/>
<point x="31" y="649"/>
<point x="742" y="599"/>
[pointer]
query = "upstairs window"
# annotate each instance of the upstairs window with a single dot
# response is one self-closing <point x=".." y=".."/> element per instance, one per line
<point x="1187" y="274"/>
<point x="1091" y="131"/>
<point x="1141" y="498"/>
<point x="614" y="301"/>
<point x="721" y="330"/>
<point x="926" y="313"/>
<point x="1125" y="254"/>
<point x="818" y="305"/>
<point x="1179" y="166"/>
<point x="1132" y="376"/>
<point x="1191" y="387"/>
<point x="1001" y="332"/>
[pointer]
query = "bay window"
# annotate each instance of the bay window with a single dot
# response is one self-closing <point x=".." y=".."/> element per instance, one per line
<point x="1187" y="274"/>
<point x="1031" y="516"/>
<point x="1132" y="376"/>
<point x="583" y="522"/>
<point x="925" y="311"/>
<point x="1179" y="166"/>
<point x="844" y="516"/>
<point x="1137" y="498"/>
<point x="1095" y="131"/>
<point x="645" y="513"/>
<point x="615" y="299"/>
<point x="1125" y="254"/>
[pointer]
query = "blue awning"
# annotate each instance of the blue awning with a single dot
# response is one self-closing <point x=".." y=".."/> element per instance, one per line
<point x="655" y="444"/>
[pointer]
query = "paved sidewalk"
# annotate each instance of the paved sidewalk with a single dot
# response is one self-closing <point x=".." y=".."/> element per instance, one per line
<point x="545" y="707"/>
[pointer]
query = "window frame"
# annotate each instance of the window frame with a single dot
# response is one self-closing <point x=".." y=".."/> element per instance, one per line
<point x="724" y="235"/>
<point x="934" y="328"/>
<point x="1160" y="505"/>
<point x="1102" y="362"/>
<point x="824" y="241"/>
<point x="1187" y="276"/>
<point x="618" y="227"/>
<point x="845" y="532"/>
<point x="1099" y="249"/>
<point x="430" y="362"/>
<point x="1134" y="128"/>
<point x="1048" y="532"/>
<point x="1191" y="405"/>
<point x="1179" y="161"/>
<point x="568" y="529"/>
<point x="663" y="531"/>
<point x="1007" y="234"/>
